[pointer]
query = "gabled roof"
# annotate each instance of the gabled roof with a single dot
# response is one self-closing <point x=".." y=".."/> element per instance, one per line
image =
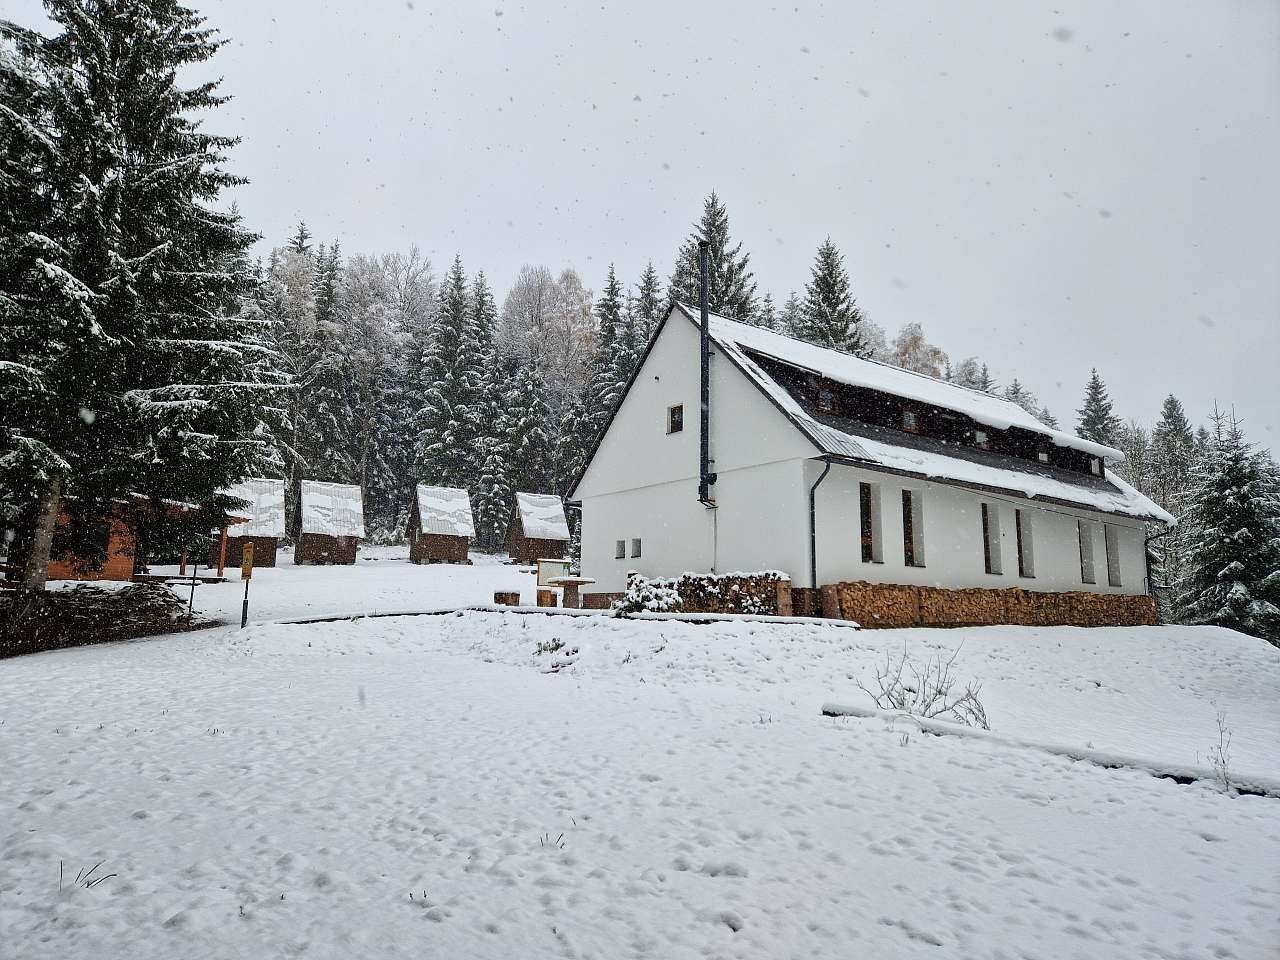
<point x="445" y="510"/>
<point x="896" y="452"/>
<point x="542" y="516"/>
<point x="849" y="441"/>
<point x="265" y="510"/>
<point x="332" y="509"/>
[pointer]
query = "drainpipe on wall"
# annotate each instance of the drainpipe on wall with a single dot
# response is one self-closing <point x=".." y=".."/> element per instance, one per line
<point x="705" y="477"/>
<point x="813" y="524"/>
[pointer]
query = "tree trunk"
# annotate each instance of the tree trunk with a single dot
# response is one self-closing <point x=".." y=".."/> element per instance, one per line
<point x="36" y="570"/>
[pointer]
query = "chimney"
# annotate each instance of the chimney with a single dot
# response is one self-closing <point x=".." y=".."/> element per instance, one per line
<point x="705" y="477"/>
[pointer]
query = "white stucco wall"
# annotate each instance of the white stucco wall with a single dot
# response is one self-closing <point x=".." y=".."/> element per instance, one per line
<point x="643" y="481"/>
<point x="953" y="553"/>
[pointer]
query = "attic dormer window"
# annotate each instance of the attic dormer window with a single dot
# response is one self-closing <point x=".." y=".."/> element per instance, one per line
<point x="981" y="440"/>
<point x="1095" y="466"/>
<point x="826" y="399"/>
<point x="910" y="421"/>
<point x="1043" y="456"/>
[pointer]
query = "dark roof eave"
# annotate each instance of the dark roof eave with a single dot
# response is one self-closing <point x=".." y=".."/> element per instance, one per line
<point x="875" y="467"/>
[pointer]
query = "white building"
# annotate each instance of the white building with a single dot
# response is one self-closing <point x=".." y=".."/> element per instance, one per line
<point x="830" y="468"/>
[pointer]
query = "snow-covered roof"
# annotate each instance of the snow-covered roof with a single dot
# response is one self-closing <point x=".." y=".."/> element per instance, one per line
<point x="995" y="412"/>
<point x="850" y="440"/>
<point x="542" y="516"/>
<point x="332" y="509"/>
<point x="445" y="510"/>
<point x="265" y="510"/>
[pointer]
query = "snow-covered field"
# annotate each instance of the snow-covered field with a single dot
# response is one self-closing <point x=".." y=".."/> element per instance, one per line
<point x="437" y="786"/>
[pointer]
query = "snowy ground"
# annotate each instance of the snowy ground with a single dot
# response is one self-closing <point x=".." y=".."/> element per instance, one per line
<point x="436" y="786"/>
<point x="382" y="579"/>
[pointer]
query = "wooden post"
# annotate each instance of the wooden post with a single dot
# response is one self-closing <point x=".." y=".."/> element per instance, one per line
<point x="222" y="551"/>
<point x="182" y="564"/>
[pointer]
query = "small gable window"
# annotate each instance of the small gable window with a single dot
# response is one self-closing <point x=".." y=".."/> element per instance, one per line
<point x="675" y="418"/>
<point x="1043" y="456"/>
<point x="910" y="421"/>
<point x="826" y="399"/>
<point x="981" y="440"/>
<point x="1095" y="466"/>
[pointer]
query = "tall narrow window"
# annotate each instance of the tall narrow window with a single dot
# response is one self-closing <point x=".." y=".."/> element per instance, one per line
<point x="869" y="518"/>
<point x="675" y="418"/>
<point x="1026" y="545"/>
<point x="620" y="550"/>
<point x="912" y="528"/>
<point x="1084" y="530"/>
<point x="1112" y="540"/>
<point x="635" y="547"/>
<point x="991" y="538"/>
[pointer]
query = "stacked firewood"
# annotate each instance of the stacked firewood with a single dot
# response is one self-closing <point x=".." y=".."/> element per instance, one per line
<point x="901" y="605"/>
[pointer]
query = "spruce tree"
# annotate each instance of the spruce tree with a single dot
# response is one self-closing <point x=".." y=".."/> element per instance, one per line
<point x="1172" y="452"/>
<point x="447" y="422"/>
<point x="300" y="242"/>
<point x="526" y="432"/>
<point x="648" y="306"/>
<point x="138" y="256"/>
<point x="790" y="320"/>
<point x="828" y="315"/>
<point x="767" y="315"/>
<point x="731" y="288"/>
<point x="1231" y="539"/>
<point x="609" y="316"/>
<point x="1097" y="422"/>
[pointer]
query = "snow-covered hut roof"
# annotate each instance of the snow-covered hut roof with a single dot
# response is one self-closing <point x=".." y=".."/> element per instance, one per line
<point x="851" y="440"/>
<point x="332" y="509"/>
<point x="445" y="510"/>
<point x="542" y="516"/>
<point x="265" y="510"/>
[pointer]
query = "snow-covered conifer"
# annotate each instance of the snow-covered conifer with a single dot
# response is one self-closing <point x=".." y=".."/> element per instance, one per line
<point x="1097" y="421"/>
<point x="828" y="315"/>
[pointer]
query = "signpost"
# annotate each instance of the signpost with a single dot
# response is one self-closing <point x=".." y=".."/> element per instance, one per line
<point x="246" y="574"/>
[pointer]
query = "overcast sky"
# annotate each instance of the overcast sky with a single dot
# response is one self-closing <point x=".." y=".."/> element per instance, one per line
<point x="1048" y="186"/>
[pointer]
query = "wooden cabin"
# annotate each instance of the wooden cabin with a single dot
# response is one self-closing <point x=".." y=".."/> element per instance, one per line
<point x="441" y="526"/>
<point x="263" y="528"/>
<point x="122" y="560"/>
<point x="330" y="523"/>
<point x="538" y="528"/>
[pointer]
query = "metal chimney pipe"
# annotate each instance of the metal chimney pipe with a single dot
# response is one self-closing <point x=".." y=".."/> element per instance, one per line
<point x="705" y="476"/>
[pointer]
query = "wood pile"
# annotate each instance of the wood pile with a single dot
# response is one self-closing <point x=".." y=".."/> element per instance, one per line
<point x="87" y="614"/>
<point x="506" y="598"/>
<point x="768" y="593"/>
<point x="901" y="605"/>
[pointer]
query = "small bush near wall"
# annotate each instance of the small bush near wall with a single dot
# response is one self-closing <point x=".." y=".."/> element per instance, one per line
<point x="767" y="593"/>
<point x="88" y="614"/>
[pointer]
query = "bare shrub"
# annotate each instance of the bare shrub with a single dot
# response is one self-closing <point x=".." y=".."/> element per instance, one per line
<point x="927" y="689"/>
<point x="1220" y="753"/>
